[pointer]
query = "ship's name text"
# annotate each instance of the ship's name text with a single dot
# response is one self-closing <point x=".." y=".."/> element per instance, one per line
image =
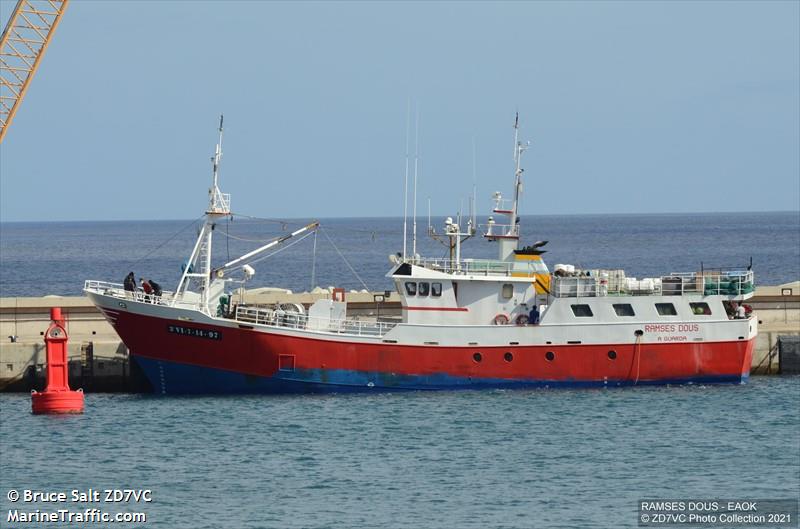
<point x="672" y="327"/>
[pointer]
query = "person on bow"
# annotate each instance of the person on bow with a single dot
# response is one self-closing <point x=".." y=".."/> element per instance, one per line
<point x="147" y="288"/>
<point x="129" y="284"/>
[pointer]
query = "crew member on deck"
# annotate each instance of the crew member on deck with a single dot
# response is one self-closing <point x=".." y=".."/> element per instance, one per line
<point x="156" y="290"/>
<point x="533" y="317"/>
<point x="147" y="287"/>
<point x="130" y="284"/>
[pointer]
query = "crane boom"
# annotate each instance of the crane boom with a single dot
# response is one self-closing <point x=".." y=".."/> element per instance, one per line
<point x="313" y="226"/>
<point x="22" y="46"/>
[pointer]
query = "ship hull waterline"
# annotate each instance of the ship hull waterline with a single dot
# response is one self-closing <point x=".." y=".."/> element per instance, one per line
<point x="240" y="359"/>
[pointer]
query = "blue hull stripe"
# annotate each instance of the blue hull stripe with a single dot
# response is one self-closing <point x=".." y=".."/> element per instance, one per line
<point x="174" y="378"/>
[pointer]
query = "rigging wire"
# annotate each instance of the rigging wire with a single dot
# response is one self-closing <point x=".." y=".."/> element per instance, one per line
<point x="372" y="234"/>
<point x="245" y="239"/>
<point x="289" y="245"/>
<point x="285" y="223"/>
<point x="148" y="254"/>
<point x="279" y="250"/>
<point x="325" y="233"/>
<point x="314" y="263"/>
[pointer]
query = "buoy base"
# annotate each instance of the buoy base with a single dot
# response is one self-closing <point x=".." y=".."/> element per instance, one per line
<point x="57" y="402"/>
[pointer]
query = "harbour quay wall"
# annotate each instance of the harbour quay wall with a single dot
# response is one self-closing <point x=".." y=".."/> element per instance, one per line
<point x="99" y="361"/>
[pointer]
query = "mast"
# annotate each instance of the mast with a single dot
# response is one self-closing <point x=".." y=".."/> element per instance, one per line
<point x="218" y="207"/>
<point x="508" y="235"/>
<point x="514" y="229"/>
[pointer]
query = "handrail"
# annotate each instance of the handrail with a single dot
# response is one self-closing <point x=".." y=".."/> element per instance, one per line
<point x="484" y="267"/>
<point x="494" y="229"/>
<point x="117" y="290"/>
<point x="724" y="283"/>
<point x="256" y="315"/>
<point x="294" y="320"/>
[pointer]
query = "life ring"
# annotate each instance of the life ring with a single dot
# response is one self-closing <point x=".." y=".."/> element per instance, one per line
<point x="522" y="319"/>
<point x="501" y="319"/>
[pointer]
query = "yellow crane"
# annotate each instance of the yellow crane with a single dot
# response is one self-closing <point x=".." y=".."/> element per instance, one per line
<point x="24" y="41"/>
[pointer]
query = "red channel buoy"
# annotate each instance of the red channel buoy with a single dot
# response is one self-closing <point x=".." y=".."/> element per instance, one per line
<point x="57" y="397"/>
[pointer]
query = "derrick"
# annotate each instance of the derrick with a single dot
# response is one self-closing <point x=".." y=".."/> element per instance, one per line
<point x="22" y="46"/>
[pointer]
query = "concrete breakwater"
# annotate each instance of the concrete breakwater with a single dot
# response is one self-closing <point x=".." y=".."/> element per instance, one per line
<point x="99" y="361"/>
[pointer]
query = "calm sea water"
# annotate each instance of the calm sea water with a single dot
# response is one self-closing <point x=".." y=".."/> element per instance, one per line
<point x="55" y="258"/>
<point x="515" y="459"/>
<point x="512" y="459"/>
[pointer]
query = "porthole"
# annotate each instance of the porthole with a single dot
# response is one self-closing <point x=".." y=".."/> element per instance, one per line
<point x="550" y="355"/>
<point x="508" y="357"/>
<point x="477" y="357"/>
<point x="612" y="355"/>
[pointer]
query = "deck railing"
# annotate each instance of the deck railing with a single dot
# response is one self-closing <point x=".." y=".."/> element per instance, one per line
<point x="117" y="290"/>
<point x="294" y="320"/>
<point x="477" y="267"/>
<point x="499" y="230"/>
<point x="256" y="315"/>
<point x="726" y="283"/>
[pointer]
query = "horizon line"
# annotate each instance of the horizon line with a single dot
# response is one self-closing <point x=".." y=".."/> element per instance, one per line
<point x="671" y="213"/>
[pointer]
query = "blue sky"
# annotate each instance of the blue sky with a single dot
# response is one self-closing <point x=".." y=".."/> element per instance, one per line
<point x="631" y="107"/>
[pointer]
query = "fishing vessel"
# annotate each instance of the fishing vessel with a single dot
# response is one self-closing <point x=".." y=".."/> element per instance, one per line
<point x="466" y="323"/>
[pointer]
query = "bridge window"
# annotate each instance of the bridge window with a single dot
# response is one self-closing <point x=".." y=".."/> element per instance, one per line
<point x="666" y="309"/>
<point x="436" y="289"/>
<point x="624" y="309"/>
<point x="423" y="289"/>
<point x="582" y="311"/>
<point x="411" y="288"/>
<point x="700" y="308"/>
<point x="508" y="291"/>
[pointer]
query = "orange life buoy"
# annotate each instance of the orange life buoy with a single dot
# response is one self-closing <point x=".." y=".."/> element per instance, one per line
<point x="501" y="319"/>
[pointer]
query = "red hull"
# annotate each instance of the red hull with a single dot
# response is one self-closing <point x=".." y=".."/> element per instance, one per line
<point x="249" y="352"/>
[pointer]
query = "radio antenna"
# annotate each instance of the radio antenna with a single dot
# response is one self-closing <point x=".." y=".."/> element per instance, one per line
<point x="416" y="170"/>
<point x="405" y="182"/>
<point x="473" y="204"/>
